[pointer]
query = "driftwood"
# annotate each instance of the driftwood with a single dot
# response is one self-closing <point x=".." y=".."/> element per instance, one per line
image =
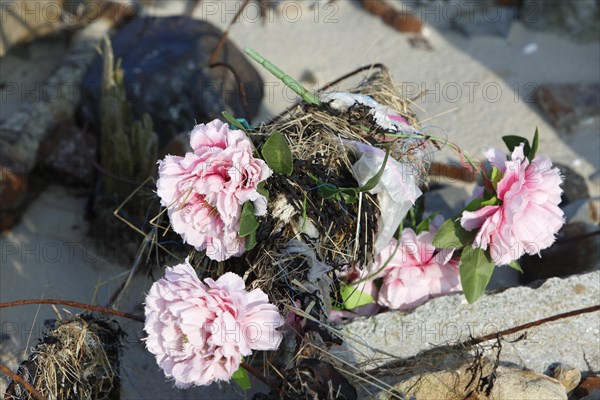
<point x="23" y="20"/>
<point x="21" y="133"/>
<point x="400" y="20"/>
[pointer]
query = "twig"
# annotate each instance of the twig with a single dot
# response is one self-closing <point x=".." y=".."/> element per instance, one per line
<point x="106" y="172"/>
<point x="73" y="304"/>
<point x="474" y="341"/>
<point x="497" y="335"/>
<point x="34" y="392"/>
<point x="247" y="367"/>
<point x="212" y="63"/>
<point x="114" y="300"/>
<point x="255" y="373"/>
<point x="221" y="42"/>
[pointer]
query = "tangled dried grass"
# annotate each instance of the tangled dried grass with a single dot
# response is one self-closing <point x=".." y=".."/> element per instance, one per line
<point x="305" y="239"/>
<point x="304" y="233"/>
<point x="77" y="359"/>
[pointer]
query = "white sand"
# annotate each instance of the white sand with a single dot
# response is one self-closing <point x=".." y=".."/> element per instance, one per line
<point x="329" y="43"/>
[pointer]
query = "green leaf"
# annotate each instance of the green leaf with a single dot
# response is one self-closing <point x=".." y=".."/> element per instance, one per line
<point x="513" y="141"/>
<point x="248" y="222"/>
<point x="233" y="121"/>
<point x="277" y="154"/>
<point x="371" y="183"/>
<point x="534" y="146"/>
<point x="251" y="241"/>
<point x="240" y="376"/>
<point x="452" y="235"/>
<point x="494" y="201"/>
<point x="329" y="191"/>
<point x="261" y="188"/>
<point x="350" y="192"/>
<point x="424" y="225"/>
<point x="354" y="298"/>
<point x="496" y="176"/>
<point x="349" y="198"/>
<point x="474" y="204"/>
<point x="479" y="202"/>
<point x="476" y="269"/>
<point x="515" y="265"/>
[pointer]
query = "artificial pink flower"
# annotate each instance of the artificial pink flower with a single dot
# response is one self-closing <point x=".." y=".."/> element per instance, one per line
<point x="199" y="332"/>
<point x="204" y="191"/>
<point x="528" y="217"/>
<point x="414" y="270"/>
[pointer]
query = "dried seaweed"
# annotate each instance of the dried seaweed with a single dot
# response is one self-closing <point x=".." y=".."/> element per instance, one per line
<point x="77" y="359"/>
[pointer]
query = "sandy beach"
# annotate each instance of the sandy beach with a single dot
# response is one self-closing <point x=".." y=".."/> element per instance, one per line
<point x="474" y="89"/>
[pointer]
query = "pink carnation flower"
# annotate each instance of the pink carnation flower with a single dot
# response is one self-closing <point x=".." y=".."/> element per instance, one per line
<point x="199" y="332"/>
<point x="416" y="271"/>
<point x="204" y="191"/>
<point x="528" y="218"/>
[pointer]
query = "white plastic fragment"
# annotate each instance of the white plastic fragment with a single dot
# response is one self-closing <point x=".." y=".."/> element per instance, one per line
<point x="396" y="191"/>
<point x="530" y="48"/>
<point x="384" y="116"/>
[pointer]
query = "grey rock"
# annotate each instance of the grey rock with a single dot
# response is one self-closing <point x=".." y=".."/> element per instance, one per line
<point x="586" y="211"/>
<point x="578" y="18"/>
<point x="471" y="18"/>
<point x="452" y="378"/>
<point x="504" y="277"/>
<point x="386" y="337"/>
<point x="595" y="180"/>
<point x="166" y="70"/>
<point x="512" y="383"/>
<point x="576" y="250"/>
<point x="567" y="104"/>
<point x="68" y="155"/>
<point x="21" y="132"/>
<point x="568" y="376"/>
<point x="448" y="200"/>
<point x="574" y="185"/>
<point x="593" y="396"/>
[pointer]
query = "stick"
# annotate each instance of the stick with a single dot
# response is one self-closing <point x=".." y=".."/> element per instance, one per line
<point x="496" y="335"/>
<point x="528" y="325"/>
<point x="21" y="382"/>
<point x="73" y="304"/>
<point x="255" y="373"/>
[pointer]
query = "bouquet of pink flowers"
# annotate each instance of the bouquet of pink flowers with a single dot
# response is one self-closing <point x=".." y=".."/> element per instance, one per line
<point x="330" y="230"/>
